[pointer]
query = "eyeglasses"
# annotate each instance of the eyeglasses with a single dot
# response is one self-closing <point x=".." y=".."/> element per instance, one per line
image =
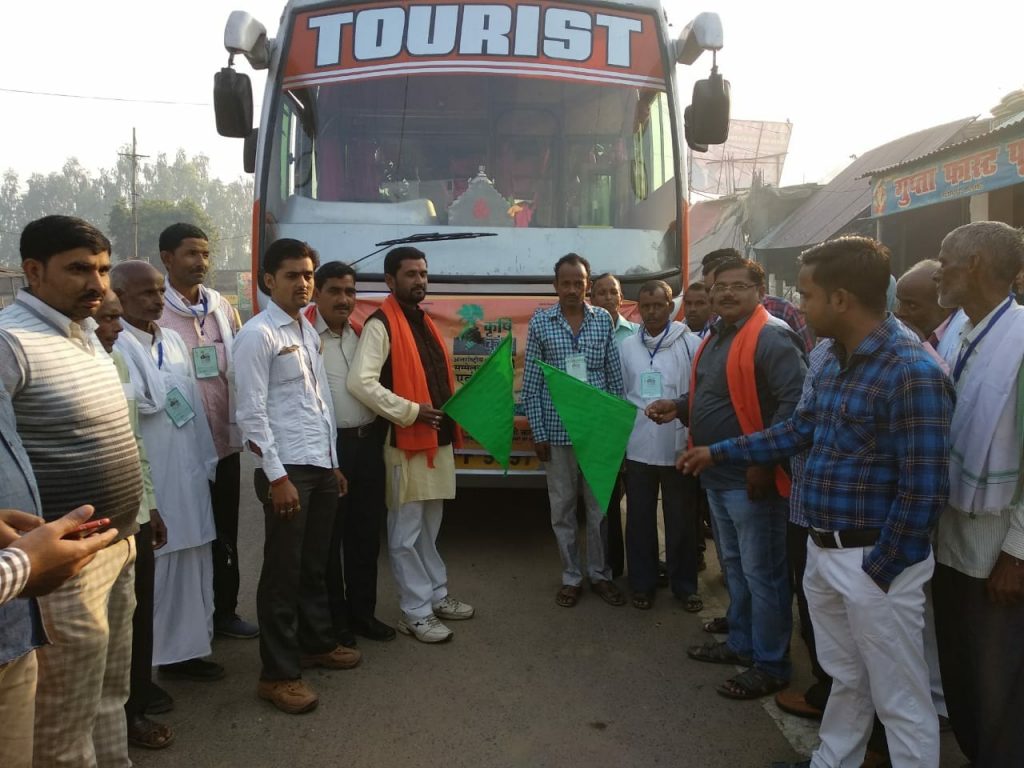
<point x="732" y="287"/>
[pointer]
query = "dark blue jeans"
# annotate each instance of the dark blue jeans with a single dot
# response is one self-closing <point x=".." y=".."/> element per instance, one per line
<point x="752" y="539"/>
<point x="679" y="507"/>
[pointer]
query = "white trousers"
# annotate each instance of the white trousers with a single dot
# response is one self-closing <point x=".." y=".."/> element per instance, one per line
<point x="872" y="644"/>
<point x="412" y="546"/>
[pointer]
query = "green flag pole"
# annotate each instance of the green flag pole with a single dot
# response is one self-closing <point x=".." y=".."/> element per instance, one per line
<point x="599" y="425"/>
<point x="485" y="405"/>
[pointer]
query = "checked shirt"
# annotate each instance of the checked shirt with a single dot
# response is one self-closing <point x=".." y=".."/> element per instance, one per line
<point x="551" y="340"/>
<point x="877" y="430"/>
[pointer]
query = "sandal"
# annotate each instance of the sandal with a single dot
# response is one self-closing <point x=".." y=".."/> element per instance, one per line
<point x="608" y="592"/>
<point x="568" y="595"/>
<point x="693" y="604"/>
<point x="717" y="653"/>
<point x="719" y="626"/>
<point x="643" y="600"/>
<point x="753" y="683"/>
<point x="148" y="734"/>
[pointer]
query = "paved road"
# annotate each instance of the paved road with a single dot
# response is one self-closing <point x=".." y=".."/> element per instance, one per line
<point x="524" y="684"/>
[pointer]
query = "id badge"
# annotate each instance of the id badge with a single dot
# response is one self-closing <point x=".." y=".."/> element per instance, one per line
<point x="650" y="385"/>
<point x="178" y="408"/>
<point x="204" y="361"/>
<point x="576" y="366"/>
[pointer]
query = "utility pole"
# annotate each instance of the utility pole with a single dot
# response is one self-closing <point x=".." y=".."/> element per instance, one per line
<point x="134" y="158"/>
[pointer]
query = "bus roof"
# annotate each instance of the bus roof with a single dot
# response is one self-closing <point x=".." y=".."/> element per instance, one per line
<point x="652" y="5"/>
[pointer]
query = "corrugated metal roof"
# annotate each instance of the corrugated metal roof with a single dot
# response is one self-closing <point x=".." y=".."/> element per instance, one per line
<point x="1008" y="125"/>
<point x="840" y="201"/>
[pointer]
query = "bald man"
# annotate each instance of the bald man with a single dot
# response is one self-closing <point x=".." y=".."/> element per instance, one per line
<point x="183" y="459"/>
<point x="917" y="306"/>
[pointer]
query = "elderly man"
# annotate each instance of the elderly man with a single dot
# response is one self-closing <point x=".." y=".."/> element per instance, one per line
<point x="183" y="458"/>
<point x="73" y="422"/>
<point x="979" y="579"/>
<point x="917" y="305"/>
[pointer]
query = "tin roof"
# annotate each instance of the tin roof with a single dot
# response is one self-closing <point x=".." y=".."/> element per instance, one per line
<point x="842" y="200"/>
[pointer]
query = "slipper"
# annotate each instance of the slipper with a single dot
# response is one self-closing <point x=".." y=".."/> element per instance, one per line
<point x="568" y="595"/>
<point x="719" y="626"/>
<point x="753" y="683"/>
<point x="608" y="592"/>
<point x="794" y="703"/>
<point x="717" y="653"/>
<point x="642" y="600"/>
<point x="693" y="604"/>
<point x="148" y="734"/>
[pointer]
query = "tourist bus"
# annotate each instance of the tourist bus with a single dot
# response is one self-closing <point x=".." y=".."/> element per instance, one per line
<point x="494" y="137"/>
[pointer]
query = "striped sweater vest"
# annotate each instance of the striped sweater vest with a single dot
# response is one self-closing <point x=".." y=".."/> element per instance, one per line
<point x="73" y="421"/>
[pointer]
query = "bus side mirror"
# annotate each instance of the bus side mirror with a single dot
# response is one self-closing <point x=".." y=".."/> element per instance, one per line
<point x="707" y="118"/>
<point x="249" y="151"/>
<point x="245" y="35"/>
<point x="704" y="33"/>
<point x="232" y="103"/>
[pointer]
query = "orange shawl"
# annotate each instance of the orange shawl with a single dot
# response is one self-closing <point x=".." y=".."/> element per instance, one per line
<point x="410" y="381"/>
<point x="739" y="373"/>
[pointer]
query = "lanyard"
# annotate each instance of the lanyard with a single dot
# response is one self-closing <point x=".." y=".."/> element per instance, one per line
<point x="965" y="354"/>
<point x="160" y="355"/>
<point x="201" y="319"/>
<point x="658" y="345"/>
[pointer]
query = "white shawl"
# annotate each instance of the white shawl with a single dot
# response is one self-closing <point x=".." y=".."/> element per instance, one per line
<point x="987" y="441"/>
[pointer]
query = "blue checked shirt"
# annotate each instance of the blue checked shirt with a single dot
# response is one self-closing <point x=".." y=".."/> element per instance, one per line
<point x="877" y="430"/>
<point x="551" y="340"/>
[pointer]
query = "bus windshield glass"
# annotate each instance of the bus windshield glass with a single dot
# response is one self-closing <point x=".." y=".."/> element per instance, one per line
<point x="552" y="158"/>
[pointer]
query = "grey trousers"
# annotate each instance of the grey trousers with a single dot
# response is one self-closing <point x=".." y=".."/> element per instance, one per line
<point x="565" y="483"/>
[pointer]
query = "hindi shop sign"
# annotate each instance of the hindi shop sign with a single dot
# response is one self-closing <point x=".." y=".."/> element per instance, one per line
<point x="963" y="175"/>
<point x="562" y="41"/>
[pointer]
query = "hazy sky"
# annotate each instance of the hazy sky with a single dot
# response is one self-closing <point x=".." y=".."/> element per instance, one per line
<point x="848" y="76"/>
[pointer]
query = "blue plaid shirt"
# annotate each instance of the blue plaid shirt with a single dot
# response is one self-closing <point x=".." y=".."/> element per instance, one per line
<point x="877" y="430"/>
<point x="551" y="340"/>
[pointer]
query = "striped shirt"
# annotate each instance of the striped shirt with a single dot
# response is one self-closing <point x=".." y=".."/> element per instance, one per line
<point x="877" y="430"/>
<point x="551" y="340"/>
<point x="14" y="570"/>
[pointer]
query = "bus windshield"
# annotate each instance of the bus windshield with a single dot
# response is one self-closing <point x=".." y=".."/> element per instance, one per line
<point x="551" y="158"/>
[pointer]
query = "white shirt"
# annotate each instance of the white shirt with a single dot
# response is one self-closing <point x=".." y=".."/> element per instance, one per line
<point x="339" y="352"/>
<point x="650" y="443"/>
<point x="284" y="407"/>
<point x="166" y="347"/>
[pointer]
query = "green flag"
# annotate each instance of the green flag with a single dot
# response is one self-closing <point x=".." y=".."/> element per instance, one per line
<point x="598" y="424"/>
<point x="484" y="406"/>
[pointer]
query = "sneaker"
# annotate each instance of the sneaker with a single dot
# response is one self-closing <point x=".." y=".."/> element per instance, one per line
<point x="453" y="610"/>
<point x="341" y="657"/>
<point x="428" y="630"/>
<point x="291" y="696"/>
<point x="235" y="626"/>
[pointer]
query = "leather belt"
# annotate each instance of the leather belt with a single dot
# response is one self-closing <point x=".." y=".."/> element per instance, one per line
<point x="864" y="537"/>
<point x="363" y="430"/>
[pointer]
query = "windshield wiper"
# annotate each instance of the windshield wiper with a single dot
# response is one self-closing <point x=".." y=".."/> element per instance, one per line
<point x="425" y="237"/>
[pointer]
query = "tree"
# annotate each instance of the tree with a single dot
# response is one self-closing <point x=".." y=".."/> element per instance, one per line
<point x="154" y="217"/>
<point x="11" y="217"/>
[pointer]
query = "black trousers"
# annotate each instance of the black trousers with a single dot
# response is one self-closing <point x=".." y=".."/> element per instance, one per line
<point x="224" y="495"/>
<point x="142" y="625"/>
<point x="291" y="600"/>
<point x="981" y="656"/>
<point x="679" y="506"/>
<point x="615" y="551"/>
<point x="355" y="542"/>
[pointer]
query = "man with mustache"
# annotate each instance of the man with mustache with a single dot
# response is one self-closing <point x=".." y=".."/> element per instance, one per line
<point x="747" y="374"/>
<point x="73" y="422"/>
<point x="402" y="371"/>
<point x="182" y="459"/>
<point x="286" y="417"/>
<point x="352" y="580"/>
<point x="208" y="323"/>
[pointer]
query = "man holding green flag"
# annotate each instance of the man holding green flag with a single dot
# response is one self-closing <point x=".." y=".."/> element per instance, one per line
<point x="578" y="339"/>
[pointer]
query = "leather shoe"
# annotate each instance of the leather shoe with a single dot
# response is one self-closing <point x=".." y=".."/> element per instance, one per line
<point x="148" y="734"/>
<point x="339" y="658"/>
<point x="291" y="696"/>
<point x="197" y="670"/>
<point x="373" y="629"/>
<point x="159" y="701"/>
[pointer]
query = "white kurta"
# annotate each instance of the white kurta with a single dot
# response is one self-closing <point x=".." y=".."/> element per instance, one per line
<point x="183" y="460"/>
